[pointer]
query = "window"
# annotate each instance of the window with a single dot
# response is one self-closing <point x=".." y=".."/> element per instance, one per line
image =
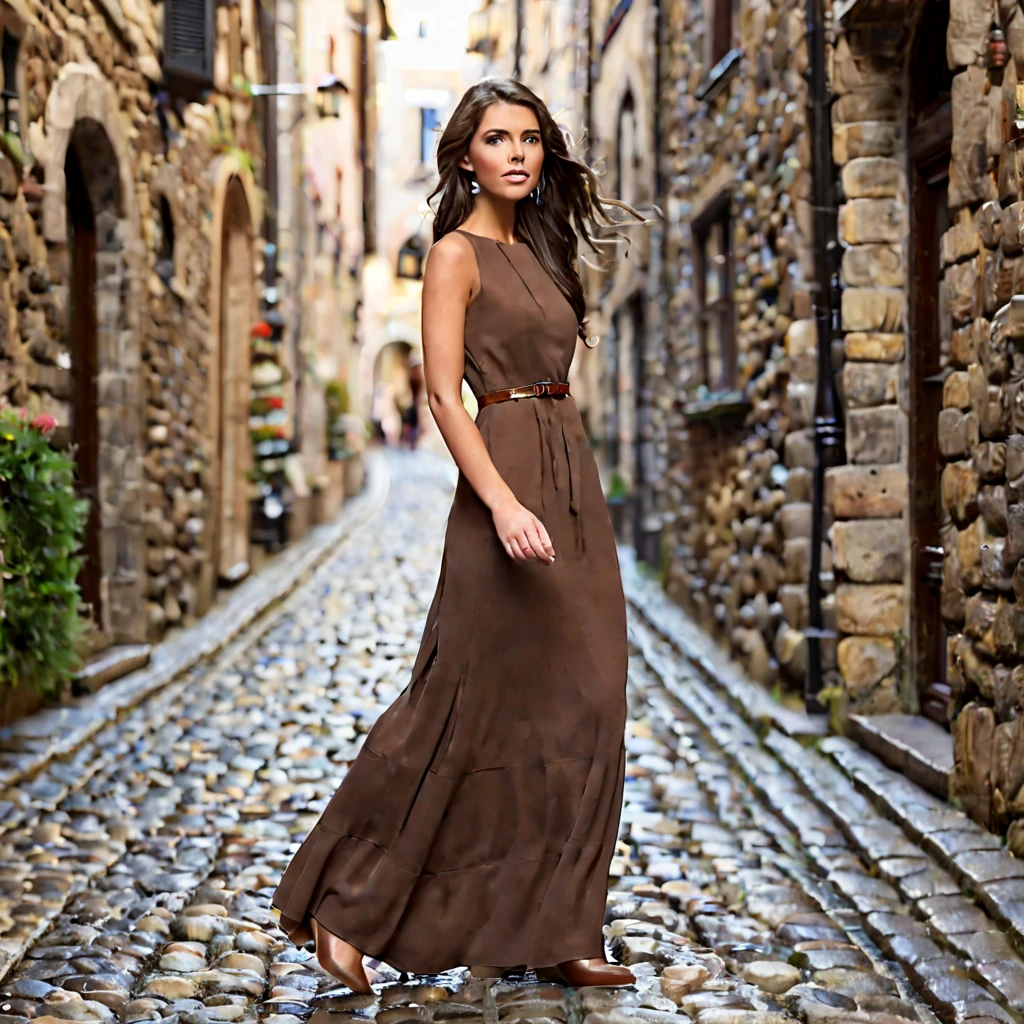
<point x="430" y="120"/>
<point x="9" y="57"/>
<point x="716" y="314"/>
<point x="188" y="40"/>
<point x="626" y="152"/>
<point x="721" y="29"/>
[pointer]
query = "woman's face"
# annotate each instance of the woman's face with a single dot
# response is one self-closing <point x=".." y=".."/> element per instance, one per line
<point x="506" y="153"/>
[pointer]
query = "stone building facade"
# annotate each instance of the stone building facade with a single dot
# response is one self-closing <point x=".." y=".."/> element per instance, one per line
<point x="325" y="199"/>
<point x="130" y="221"/>
<point x="736" y="407"/>
<point x="923" y="520"/>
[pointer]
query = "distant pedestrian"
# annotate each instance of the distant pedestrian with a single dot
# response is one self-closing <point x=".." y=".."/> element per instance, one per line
<point x="478" y="822"/>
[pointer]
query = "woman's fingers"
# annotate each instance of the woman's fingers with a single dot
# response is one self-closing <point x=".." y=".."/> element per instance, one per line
<point x="516" y="550"/>
<point x="526" y="546"/>
<point x="545" y="540"/>
<point x="537" y="538"/>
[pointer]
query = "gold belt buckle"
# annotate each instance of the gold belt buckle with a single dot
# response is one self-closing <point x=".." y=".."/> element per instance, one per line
<point x="527" y="391"/>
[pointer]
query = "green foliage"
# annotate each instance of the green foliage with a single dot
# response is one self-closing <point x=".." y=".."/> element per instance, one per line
<point x="336" y="396"/>
<point x="42" y="527"/>
<point x="617" y="488"/>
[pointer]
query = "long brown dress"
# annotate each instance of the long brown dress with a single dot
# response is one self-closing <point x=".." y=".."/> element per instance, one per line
<point x="477" y="823"/>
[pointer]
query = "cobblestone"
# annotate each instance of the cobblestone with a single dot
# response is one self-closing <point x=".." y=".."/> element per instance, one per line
<point x="136" y="870"/>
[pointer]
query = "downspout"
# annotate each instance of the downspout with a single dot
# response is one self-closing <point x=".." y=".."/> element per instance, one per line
<point x="518" y="52"/>
<point x="588" y="97"/>
<point x="828" y="428"/>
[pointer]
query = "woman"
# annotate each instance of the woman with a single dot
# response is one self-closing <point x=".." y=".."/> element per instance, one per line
<point x="477" y="824"/>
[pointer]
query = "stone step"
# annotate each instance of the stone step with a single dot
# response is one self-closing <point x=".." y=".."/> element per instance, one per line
<point x="916" y="746"/>
<point x="971" y="854"/>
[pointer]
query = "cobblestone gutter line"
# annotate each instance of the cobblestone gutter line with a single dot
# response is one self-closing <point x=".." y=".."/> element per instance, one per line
<point x="28" y="745"/>
<point x="954" y="954"/>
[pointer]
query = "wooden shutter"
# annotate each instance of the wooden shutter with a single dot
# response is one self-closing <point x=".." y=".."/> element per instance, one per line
<point x="188" y="40"/>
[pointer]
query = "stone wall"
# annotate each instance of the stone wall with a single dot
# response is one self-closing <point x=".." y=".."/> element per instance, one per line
<point x="869" y="493"/>
<point x="981" y="424"/>
<point x="737" y="500"/>
<point x="929" y="371"/>
<point x="89" y="81"/>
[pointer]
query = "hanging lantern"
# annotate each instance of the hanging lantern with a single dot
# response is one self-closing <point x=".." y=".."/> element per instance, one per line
<point x="998" y="52"/>
<point x="328" y="96"/>
<point x="410" y="259"/>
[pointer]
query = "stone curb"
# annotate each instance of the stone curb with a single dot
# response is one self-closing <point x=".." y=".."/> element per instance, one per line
<point x="699" y="649"/>
<point x="36" y="740"/>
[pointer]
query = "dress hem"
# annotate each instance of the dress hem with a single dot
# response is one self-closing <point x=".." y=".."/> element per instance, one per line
<point x="408" y="968"/>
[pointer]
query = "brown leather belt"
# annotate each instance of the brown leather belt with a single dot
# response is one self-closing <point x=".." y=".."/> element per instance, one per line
<point x="540" y="389"/>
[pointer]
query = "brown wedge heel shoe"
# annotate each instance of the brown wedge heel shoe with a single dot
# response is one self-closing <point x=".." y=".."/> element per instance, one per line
<point x="340" y="959"/>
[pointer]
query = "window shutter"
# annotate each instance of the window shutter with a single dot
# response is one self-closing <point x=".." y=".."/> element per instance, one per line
<point x="188" y="40"/>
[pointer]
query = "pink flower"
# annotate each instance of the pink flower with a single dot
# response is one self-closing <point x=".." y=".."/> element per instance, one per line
<point x="44" y="422"/>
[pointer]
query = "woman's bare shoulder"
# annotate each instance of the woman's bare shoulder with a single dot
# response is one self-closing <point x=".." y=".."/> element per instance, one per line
<point x="451" y="257"/>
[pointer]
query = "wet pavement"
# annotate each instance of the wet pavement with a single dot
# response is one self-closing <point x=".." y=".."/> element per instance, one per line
<point x="136" y="872"/>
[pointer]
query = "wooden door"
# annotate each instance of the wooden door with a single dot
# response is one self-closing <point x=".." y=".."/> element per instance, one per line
<point x="82" y="345"/>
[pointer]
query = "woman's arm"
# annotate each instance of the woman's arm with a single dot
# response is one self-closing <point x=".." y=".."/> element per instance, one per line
<point x="449" y="279"/>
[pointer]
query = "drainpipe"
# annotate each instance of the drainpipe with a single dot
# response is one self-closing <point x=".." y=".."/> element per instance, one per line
<point x="828" y="428"/>
<point x="518" y="52"/>
<point x="588" y="98"/>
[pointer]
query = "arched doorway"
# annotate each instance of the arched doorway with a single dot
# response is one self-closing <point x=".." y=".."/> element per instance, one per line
<point x="102" y="429"/>
<point x="929" y="134"/>
<point x="230" y="547"/>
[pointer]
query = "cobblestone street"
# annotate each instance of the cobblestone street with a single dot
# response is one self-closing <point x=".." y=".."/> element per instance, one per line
<point x="761" y="878"/>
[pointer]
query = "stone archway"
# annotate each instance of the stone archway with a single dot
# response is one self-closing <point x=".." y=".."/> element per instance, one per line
<point x="369" y="358"/>
<point x="90" y="207"/>
<point x="391" y="372"/>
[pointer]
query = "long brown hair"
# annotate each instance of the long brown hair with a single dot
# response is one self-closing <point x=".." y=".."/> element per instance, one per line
<point x="570" y="203"/>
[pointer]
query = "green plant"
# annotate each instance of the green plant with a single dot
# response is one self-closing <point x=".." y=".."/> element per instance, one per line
<point x="617" y="488"/>
<point x="336" y="396"/>
<point x="42" y="526"/>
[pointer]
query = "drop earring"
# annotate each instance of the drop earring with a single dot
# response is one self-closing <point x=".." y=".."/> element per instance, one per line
<point x="539" y="188"/>
<point x="474" y="186"/>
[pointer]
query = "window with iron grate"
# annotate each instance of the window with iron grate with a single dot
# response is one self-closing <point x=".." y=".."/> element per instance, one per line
<point x="188" y="40"/>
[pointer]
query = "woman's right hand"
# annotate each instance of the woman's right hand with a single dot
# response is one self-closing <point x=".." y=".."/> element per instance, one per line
<point x="522" y="534"/>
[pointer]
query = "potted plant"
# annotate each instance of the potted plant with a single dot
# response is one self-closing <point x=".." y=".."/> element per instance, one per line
<point x="617" y="498"/>
<point x="42" y="529"/>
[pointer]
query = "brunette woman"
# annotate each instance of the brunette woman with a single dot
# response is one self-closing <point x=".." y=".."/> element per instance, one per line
<point x="477" y="824"/>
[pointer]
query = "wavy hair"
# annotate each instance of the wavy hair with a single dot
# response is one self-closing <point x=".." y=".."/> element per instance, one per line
<point x="571" y="207"/>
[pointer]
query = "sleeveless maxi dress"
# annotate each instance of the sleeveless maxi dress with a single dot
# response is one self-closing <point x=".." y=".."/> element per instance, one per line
<point x="478" y="821"/>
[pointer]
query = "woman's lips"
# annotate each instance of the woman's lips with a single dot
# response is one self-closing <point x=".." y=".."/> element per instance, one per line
<point x="516" y="176"/>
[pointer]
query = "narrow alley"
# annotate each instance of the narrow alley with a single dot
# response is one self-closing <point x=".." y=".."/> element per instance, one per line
<point x="756" y="881"/>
